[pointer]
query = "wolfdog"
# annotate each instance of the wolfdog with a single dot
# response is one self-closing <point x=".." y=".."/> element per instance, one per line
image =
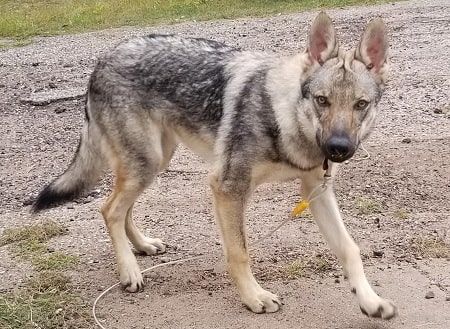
<point x="255" y="117"/>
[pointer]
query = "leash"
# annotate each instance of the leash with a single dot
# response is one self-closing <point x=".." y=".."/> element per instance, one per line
<point x="365" y="157"/>
<point x="304" y="204"/>
<point x="300" y="207"/>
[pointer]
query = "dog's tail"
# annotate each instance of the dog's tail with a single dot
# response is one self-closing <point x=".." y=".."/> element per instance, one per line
<point x="82" y="173"/>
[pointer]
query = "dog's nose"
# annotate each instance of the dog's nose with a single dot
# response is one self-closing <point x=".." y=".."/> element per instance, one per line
<point x="338" y="148"/>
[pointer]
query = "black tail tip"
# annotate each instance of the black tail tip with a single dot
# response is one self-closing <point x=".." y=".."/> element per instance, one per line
<point x="50" y="198"/>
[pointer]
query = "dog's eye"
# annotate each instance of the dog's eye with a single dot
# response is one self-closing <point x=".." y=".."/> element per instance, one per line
<point x="361" y="104"/>
<point x="321" y="100"/>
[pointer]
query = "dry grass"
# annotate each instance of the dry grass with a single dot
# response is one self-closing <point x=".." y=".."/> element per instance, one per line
<point x="430" y="247"/>
<point x="308" y="267"/>
<point x="367" y="206"/>
<point x="401" y="214"/>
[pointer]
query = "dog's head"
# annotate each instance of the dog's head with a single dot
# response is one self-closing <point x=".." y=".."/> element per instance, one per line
<point x="344" y="87"/>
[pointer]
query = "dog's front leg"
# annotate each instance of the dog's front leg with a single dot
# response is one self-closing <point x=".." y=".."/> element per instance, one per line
<point x="326" y="213"/>
<point x="229" y="211"/>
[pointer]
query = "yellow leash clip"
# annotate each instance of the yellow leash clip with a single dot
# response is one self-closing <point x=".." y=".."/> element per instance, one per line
<point x="301" y="207"/>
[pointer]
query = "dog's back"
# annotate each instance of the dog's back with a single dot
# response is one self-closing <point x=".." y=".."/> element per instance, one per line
<point x="164" y="73"/>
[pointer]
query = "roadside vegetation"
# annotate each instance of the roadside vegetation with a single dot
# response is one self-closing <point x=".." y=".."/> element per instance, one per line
<point x="44" y="298"/>
<point x="27" y="18"/>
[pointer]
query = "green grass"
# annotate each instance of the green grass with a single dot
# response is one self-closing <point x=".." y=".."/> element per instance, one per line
<point x="55" y="261"/>
<point x="26" y="18"/>
<point x="30" y="244"/>
<point x="49" y="308"/>
<point x="46" y="299"/>
<point x="38" y="233"/>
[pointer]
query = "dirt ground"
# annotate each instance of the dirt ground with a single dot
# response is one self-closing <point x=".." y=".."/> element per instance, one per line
<point x="405" y="184"/>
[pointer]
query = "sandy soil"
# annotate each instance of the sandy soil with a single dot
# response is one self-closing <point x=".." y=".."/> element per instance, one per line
<point x="408" y="172"/>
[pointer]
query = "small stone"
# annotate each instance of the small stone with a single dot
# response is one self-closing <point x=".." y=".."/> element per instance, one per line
<point x="447" y="299"/>
<point x="52" y="85"/>
<point x="378" y="253"/>
<point x="60" y="110"/>
<point x="429" y="295"/>
<point x="437" y="111"/>
<point x="165" y="259"/>
<point x="406" y="140"/>
<point x="35" y="64"/>
<point x="28" y="202"/>
<point x="446" y="109"/>
<point x="337" y="281"/>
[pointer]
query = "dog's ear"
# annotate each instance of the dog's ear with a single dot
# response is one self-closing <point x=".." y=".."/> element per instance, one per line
<point x="373" y="49"/>
<point x="322" y="43"/>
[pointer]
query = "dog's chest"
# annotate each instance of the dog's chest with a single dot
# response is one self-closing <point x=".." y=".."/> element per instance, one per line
<point x="274" y="172"/>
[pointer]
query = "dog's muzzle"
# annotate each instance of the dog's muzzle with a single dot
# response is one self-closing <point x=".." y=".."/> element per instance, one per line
<point x="338" y="148"/>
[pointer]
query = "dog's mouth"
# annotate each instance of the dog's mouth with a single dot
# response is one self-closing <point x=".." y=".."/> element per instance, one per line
<point x="339" y="157"/>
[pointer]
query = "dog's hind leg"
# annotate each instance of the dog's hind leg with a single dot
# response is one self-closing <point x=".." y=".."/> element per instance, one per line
<point x="136" y="159"/>
<point x="115" y="210"/>
<point x="142" y="243"/>
<point x="229" y="211"/>
<point x="326" y="213"/>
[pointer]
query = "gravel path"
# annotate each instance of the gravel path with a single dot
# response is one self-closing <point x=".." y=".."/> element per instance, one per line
<point x="42" y="87"/>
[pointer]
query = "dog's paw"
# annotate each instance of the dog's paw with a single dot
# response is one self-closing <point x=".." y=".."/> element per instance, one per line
<point x="131" y="278"/>
<point x="151" y="246"/>
<point x="377" y="307"/>
<point x="263" y="302"/>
